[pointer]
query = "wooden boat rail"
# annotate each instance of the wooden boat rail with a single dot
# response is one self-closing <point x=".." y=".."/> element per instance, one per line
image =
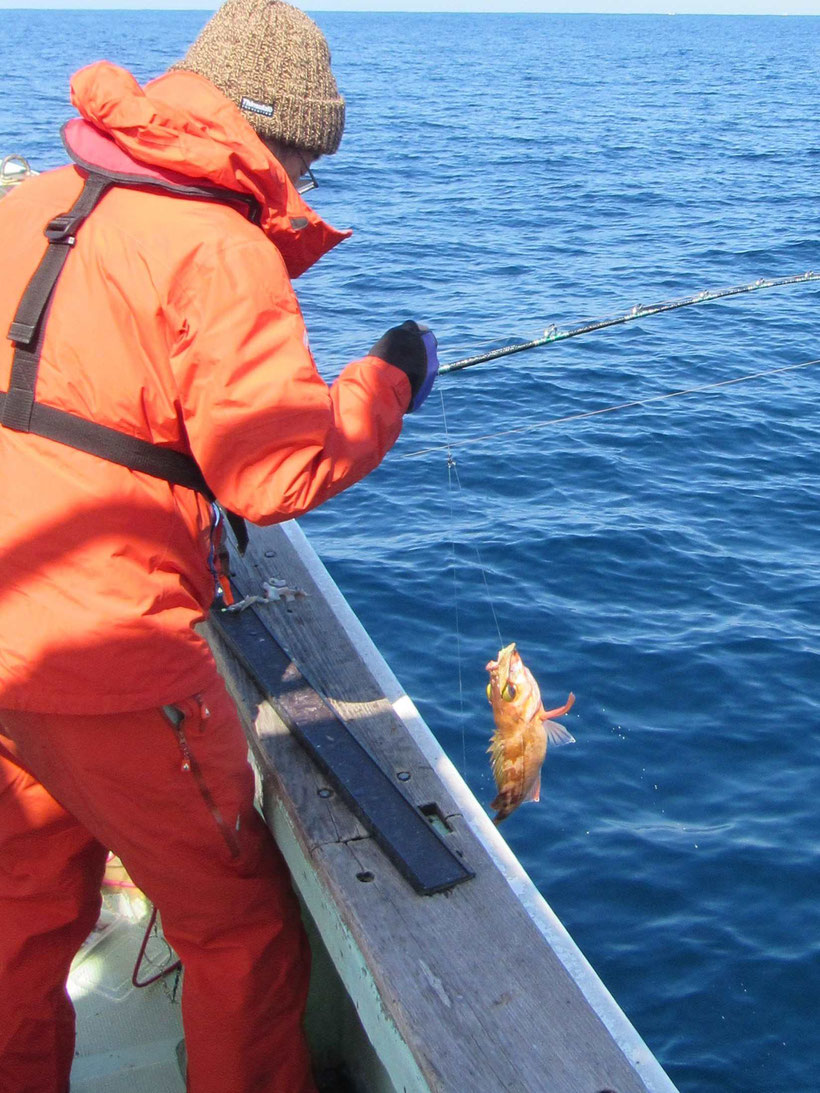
<point x="477" y="989"/>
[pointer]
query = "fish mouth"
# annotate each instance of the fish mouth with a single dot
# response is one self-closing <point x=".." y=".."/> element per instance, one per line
<point x="500" y="669"/>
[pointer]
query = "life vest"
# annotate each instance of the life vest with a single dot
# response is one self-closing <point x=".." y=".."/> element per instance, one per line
<point x="19" y="408"/>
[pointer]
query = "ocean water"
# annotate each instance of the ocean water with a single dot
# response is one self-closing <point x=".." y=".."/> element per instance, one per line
<point x="506" y="172"/>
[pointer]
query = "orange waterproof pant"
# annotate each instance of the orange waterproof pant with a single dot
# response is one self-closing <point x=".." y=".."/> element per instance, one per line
<point x="175" y="803"/>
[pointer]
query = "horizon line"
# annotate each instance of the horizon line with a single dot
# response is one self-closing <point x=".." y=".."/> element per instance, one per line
<point x="425" y="11"/>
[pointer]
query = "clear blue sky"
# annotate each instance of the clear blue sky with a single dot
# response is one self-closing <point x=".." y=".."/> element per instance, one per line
<point x="706" y="7"/>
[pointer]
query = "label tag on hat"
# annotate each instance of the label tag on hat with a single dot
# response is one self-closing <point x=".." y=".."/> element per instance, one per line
<point x="256" y="107"/>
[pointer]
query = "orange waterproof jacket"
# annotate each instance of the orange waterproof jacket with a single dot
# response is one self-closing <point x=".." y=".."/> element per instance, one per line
<point x="174" y="321"/>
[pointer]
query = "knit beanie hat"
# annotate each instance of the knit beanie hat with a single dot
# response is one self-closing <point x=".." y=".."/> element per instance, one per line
<point x="272" y="61"/>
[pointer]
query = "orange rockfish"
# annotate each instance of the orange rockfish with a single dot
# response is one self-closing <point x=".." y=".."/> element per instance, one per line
<point x="522" y="729"/>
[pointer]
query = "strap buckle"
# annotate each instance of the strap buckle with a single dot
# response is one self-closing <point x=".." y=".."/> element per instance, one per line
<point x="61" y="230"/>
<point x="22" y="333"/>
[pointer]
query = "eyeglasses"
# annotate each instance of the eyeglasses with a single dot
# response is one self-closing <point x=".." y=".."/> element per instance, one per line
<point x="307" y="180"/>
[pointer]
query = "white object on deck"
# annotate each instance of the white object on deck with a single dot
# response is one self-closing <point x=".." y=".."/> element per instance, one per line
<point x="127" y="1037"/>
<point x="14" y="169"/>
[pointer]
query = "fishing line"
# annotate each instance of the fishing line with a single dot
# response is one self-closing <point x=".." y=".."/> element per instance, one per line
<point x="582" y="416"/>
<point x="554" y="334"/>
<point x="450" y="468"/>
<point x="452" y="474"/>
<point x="452" y="463"/>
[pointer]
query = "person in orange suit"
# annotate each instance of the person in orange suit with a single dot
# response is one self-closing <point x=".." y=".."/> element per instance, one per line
<point x="157" y="374"/>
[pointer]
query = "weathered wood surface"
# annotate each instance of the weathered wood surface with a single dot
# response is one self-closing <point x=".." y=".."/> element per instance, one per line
<point x="399" y="827"/>
<point x="466" y="977"/>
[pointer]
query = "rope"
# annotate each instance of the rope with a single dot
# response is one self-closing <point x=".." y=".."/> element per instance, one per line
<point x="553" y="334"/>
<point x="606" y="410"/>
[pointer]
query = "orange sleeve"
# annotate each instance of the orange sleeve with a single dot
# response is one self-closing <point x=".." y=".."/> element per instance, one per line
<point x="272" y="438"/>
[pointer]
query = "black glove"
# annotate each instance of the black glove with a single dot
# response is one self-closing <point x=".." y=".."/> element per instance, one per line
<point x="412" y="348"/>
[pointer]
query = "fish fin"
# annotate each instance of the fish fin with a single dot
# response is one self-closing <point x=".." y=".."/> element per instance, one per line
<point x="496" y="750"/>
<point x="502" y="809"/>
<point x="535" y="792"/>
<point x="557" y="735"/>
<point x="559" y="711"/>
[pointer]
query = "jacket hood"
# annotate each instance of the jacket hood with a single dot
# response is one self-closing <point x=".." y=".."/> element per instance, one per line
<point x="183" y="130"/>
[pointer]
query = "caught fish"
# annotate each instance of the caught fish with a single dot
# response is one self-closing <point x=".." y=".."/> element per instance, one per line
<point x="522" y="730"/>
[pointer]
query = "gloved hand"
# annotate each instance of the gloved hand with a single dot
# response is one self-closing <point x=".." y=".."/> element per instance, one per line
<point x="412" y="348"/>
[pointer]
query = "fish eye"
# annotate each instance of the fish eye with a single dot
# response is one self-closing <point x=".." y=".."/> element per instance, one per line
<point x="508" y="694"/>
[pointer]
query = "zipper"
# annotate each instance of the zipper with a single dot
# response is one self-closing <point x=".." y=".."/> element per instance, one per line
<point x="177" y="717"/>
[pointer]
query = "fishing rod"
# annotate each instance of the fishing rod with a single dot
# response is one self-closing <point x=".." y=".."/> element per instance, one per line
<point x="554" y="334"/>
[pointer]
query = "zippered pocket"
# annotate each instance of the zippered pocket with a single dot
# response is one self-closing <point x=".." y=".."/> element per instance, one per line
<point x="177" y="717"/>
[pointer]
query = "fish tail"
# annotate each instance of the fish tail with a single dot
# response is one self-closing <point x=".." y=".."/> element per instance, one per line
<point x="503" y="807"/>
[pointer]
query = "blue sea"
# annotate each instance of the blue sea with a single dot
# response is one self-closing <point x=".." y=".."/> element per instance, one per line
<point x="508" y="172"/>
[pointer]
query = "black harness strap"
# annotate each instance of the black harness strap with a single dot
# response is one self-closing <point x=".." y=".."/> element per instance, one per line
<point x="19" y="409"/>
<point x="26" y="331"/>
<point x="60" y="233"/>
<point x="129" y="451"/>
